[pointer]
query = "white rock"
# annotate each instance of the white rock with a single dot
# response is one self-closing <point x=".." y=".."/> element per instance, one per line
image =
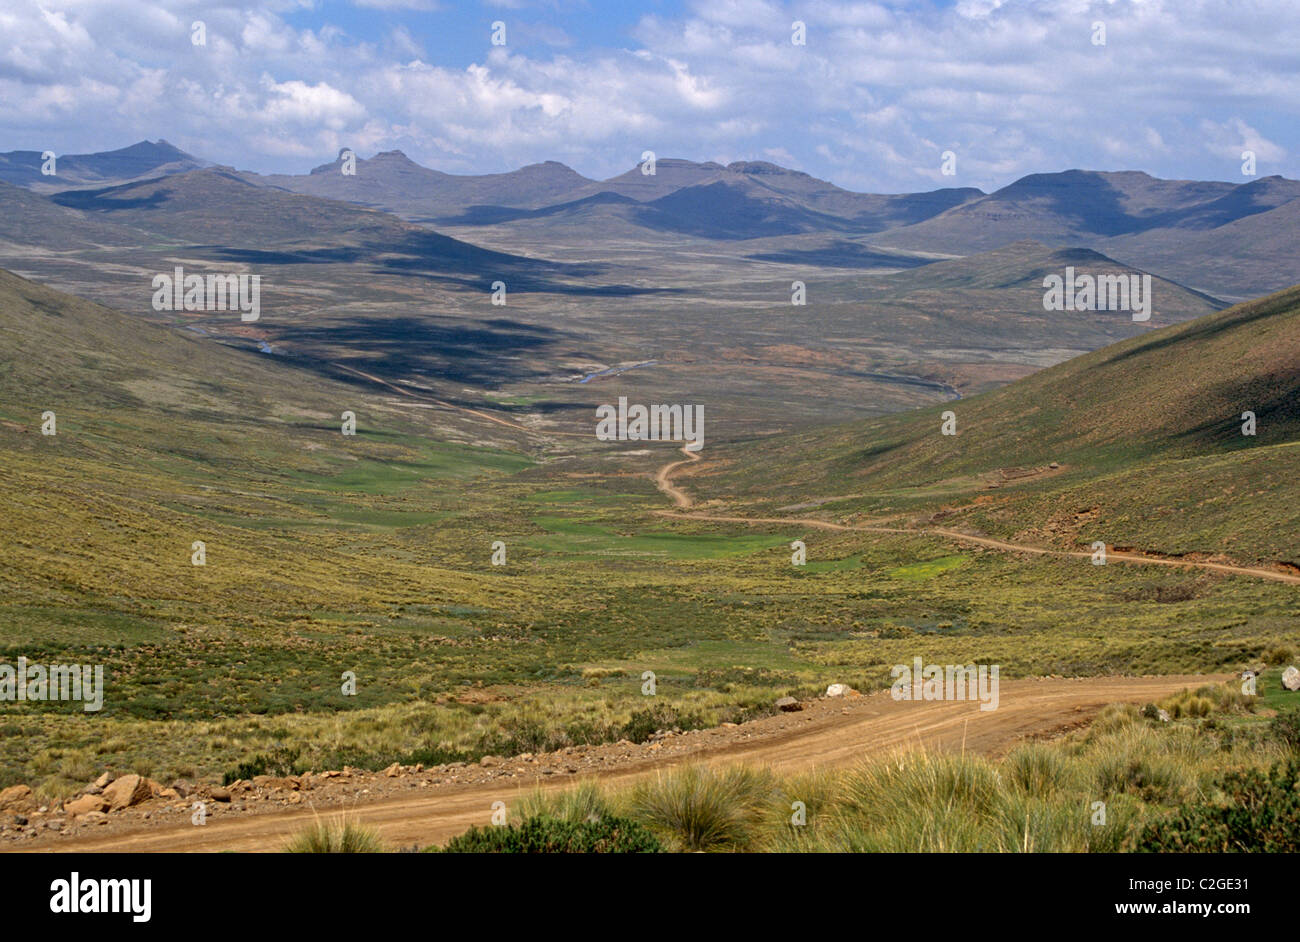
<point x="1291" y="679"/>
<point x="838" y="690"/>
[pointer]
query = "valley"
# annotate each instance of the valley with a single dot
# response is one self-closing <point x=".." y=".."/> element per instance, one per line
<point x="498" y="581"/>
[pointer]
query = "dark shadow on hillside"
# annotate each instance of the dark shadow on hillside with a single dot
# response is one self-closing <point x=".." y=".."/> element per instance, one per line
<point x="1274" y="399"/>
<point x="445" y="260"/>
<point x="842" y="255"/>
<point x="485" y="354"/>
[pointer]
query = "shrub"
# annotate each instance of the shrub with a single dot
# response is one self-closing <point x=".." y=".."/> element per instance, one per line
<point x="1280" y="655"/>
<point x="546" y="835"/>
<point x="1285" y="727"/>
<point x="281" y="761"/>
<point x="643" y="724"/>
<point x="1259" y="811"/>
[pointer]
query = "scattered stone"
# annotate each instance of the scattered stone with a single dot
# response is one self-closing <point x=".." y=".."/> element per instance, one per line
<point x="95" y="817"/>
<point x="393" y="770"/>
<point x="488" y="762"/>
<point x="219" y="794"/>
<point x="1290" y="680"/>
<point x="838" y="690"/>
<point x="788" y="705"/>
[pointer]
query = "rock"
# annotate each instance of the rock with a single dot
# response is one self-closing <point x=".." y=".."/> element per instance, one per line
<point x="838" y="690"/>
<point x="788" y="705"/>
<point x="127" y="791"/>
<point x="180" y="788"/>
<point x="1162" y="716"/>
<point x="169" y="793"/>
<point x="16" y="796"/>
<point x="84" y="805"/>
<point x="92" y="790"/>
<point x="219" y="794"/>
<point x="94" y="817"/>
<point x="393" y="770"/>
<point x="104" y="780"/>
<point x="1290" y="680"/>
<point x="488" y="762"/>
<point x="1053" y="465"/>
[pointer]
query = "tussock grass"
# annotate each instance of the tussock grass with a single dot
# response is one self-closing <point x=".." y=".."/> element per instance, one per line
<point x="697" y="808"/>
<point x="337" y="835"/>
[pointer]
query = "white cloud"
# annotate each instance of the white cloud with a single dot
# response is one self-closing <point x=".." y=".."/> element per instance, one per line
<point x="873" y="98"/>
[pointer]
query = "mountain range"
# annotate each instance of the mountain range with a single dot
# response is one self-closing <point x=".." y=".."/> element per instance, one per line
<point x="1227" y="240"/>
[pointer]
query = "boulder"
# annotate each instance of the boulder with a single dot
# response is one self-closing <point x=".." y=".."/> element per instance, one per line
<point x="127" y="791"/>
<point x="84" y="805"/>
<point x="393" y="770"/>
<point x="219" y="794"/>
<point x="104" y="780"/>
<point x="838" y="690"/>
<point x="788" y="705"/>
<point x="16" y="797"/>
<point x="1291" y="678"/>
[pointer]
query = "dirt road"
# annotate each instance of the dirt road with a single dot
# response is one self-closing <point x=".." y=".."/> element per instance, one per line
<point x="828" y="733"/>
<point x="683" y="501"/>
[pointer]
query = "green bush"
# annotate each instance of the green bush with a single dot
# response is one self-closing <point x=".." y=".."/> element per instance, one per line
<point x="1259" y="811"/>
<point x="545" y="835"/>
<point x="1285" y="727"/>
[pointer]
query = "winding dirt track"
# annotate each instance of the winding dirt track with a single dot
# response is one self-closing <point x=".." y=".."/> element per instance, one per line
<point x="831" y="733"/>
<point x="663" y="480"/>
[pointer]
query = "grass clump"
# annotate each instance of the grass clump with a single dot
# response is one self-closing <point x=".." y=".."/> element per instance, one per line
<point x="696" y="808"/>
<point x="336" y="836"/>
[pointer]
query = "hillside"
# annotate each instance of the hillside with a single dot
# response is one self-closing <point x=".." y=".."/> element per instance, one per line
<point x="1146" y="433"/>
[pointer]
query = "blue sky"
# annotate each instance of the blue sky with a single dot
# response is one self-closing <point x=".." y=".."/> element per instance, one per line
<point x="879" y="92"/>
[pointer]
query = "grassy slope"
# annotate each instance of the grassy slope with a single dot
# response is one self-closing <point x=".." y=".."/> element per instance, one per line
<point x="1148" y="432"/>
<point x="371" y="554"/>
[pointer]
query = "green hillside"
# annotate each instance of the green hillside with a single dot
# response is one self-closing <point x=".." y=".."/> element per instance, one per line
<point x="1147" y="434"/>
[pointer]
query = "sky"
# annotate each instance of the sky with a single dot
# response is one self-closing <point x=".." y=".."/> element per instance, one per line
<point x="871" y="101"/>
